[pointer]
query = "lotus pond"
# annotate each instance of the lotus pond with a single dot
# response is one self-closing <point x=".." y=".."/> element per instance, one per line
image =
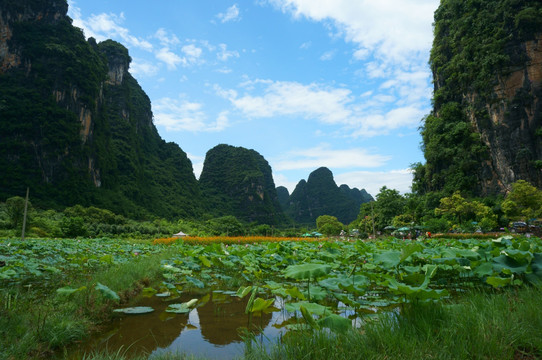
<point x="203" y="297"/>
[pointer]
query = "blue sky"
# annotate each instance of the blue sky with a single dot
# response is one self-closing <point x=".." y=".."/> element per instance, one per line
<point x="306" y="83"/>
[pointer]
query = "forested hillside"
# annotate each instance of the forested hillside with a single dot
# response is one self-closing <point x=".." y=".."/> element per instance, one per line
<point x="239" y="182"/>
<point x="75" y="126"/>
<point x="77" y="129"/>
<point x="485" y="130"/>
<point x="320" y="195"/>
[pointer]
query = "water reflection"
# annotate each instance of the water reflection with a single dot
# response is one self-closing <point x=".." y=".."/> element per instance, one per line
<point x="223" y="315"/>
<point x="212" y="329"/>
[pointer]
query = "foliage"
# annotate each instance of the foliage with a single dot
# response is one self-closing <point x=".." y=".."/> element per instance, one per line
<point x="329" y="225"/>
<point x="238" y="182"/>
<point x="360" y="275"/>
<point x="226" y="225"/>
<point x="389" y="204"/>
<point x="15" y="211"/>
<point x="523" y="202"/>
<point x="475" y="43"/>
<point x="122" y="165"/>
<point x="477" y="325"/>
<point x="461" y="211"/>
<point x="320" y="195"/>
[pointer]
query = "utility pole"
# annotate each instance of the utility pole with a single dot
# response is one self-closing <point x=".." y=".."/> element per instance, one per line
<point x="25" y="209"/>
<point x="373" y="217"/>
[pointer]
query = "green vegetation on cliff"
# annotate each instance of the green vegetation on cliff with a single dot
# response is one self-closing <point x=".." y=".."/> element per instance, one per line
<point x="76" y="127"/>
<point x="476" y="44"/>
<point x="320" y="195"/>
<point x="239" y="182"/>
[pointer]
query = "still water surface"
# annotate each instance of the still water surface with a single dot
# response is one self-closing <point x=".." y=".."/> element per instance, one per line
<point x="212" y="329"/>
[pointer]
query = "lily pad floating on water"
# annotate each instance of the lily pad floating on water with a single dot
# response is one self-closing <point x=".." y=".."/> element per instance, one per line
<point x="182" y="308"/>
<point x="135" y="310"/>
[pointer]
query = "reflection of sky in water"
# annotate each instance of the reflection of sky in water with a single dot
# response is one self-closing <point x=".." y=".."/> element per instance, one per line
<point x="191" y="340"/>
<point x="211" y="330"/>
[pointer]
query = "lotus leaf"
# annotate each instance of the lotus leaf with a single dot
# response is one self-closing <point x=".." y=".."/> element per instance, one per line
<point x="336" y="323"/>
<point x="497" y="281"/>
<point x="508" y="264"/>
<point x="409" y="250"/>
<point x="308" y="318"/>
<point x="260" y="304"/>
<point x="388" y="259"/>
<point x="306" y="271"/>
<point x="67" y="291"/>
<point x="107" y="292"/>
<point x="485" y="269"/>
<point x="243" y="291"/>
<point x="295" y="293"/>
<point x="182" y="308"/>
<point x="135" y="310"/>
<point x="197" y="283"/>
<point x="316" y="293"/>
<point x="313" y="308"/>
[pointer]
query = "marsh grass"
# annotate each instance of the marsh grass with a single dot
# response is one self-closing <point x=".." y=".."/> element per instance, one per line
<point x="36" y="323"/>
<point x="121" y="354"/>
<point x="504" y="325"/>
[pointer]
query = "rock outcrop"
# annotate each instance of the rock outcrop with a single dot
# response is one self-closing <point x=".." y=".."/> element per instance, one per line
<point x="76" y="127"/>
<point x="485" y="130"/>
<point x="320" y="195"/>
<point x="512" y="129"/>
<point x="238" y="181"/>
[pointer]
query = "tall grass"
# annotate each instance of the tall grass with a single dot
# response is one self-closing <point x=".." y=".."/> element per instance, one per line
<point x="37" y="323"/>
<point x="505" y="325"/>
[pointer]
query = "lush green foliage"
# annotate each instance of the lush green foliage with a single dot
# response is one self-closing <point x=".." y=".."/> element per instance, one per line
<point x="475" y="41"/>
<point x="524" y="202"/>
<point x="320" y="195"/>
<point x="318" y="280"/>
<point x="503" y="325"/>
<point x="75" y="137"/>
<point x="437" y="213"/>
<point x="329" y="225"/>
<point x="238" y="182"/>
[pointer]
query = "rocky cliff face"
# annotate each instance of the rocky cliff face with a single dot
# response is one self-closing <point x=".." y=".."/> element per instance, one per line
<point x="320" y="195"/>
<point x="49" y="11"/>
<point x="238" y="181"/>
<point x="485" y="130"/>
<point x="512" y="129"/>
<point x="75" y="126"/>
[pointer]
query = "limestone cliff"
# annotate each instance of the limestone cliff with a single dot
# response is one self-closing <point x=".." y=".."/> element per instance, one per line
<point x="512" y="129"/>
<point x="320" y="195"/>
<point x="238" y="181"/>
<point x="485" y="130"/>
<point x="75" y="126"/>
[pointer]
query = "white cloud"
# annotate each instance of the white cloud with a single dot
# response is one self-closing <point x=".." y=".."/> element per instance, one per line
<point x="361" y="116"/>
<point x="182" y="115"/>
<point x="393" y="30"/>
<point x="324" y="155"/>
<point x="192" y="52"/>
<point x="372" y="181"/>
<point x="166" y="39"/>
<point x="283" y="180"/>
<point x="224" y="70"/>
<point x="395" y="36"/>
<point x="224" y="54"/>
<point x="107" y="26"/>
<point x="169" y="58"/>
<point x="197" y="163"/>
<point x="328" y="55"/>
<point x="231" y="14"/>
<point x="291" y="98"/>
<point x="143" y="68"/>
